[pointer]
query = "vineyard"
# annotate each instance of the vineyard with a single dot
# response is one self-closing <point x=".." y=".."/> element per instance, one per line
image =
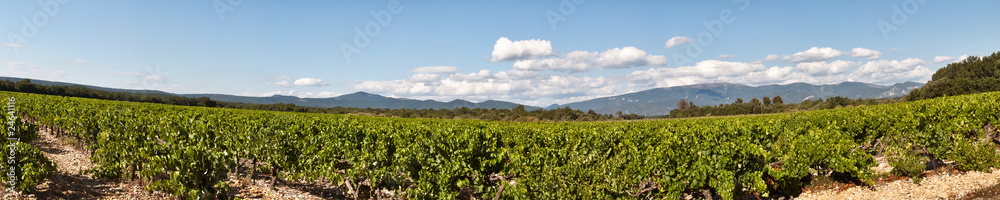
<point x="190" y="151"/>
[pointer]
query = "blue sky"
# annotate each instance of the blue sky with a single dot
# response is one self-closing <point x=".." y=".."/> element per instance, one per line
<point x="530" y="52"/>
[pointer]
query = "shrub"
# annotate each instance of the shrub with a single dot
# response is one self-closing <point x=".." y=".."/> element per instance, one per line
<point x="974" y="156"/>
<point x="907" y="164"/>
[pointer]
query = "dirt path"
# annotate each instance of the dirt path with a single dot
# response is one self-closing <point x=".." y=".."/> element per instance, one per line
<point x="70" y="183"/>
<point x="945" y="185"/>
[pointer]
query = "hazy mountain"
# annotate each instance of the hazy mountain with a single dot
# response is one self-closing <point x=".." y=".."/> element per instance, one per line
<point x="660" y="101"/>
<point x="357" y="100"/>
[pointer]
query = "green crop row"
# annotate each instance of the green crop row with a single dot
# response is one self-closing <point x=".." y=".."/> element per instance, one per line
<point x="189" y="151"/>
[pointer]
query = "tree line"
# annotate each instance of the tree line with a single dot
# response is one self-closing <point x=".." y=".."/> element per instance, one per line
<point x="768" y="105"/>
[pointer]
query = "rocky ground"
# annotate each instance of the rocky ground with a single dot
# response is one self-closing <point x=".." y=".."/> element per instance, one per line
<point x="943" y="183"/>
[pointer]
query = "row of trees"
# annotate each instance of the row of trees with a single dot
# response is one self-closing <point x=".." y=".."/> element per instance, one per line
<point x="516" y="114"/>
<point x="768" y="105"/>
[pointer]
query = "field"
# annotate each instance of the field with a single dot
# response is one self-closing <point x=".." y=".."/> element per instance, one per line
<point x="190" y="151"/>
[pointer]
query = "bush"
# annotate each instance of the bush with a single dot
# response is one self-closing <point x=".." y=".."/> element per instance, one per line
<point x="907" y="164"/>
<point x="974" y="156"/>
<point x="32" y="166"/>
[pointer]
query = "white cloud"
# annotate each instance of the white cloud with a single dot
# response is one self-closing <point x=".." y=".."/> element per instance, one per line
<point x="33" y="71"/>
<point x="772" y="57"/>
<point x="326" y="94"/>
<point x="507" y="85"/>
<point x="677" y="41"/>
<point x="891" y="71"/>
<point x="941" y="59"/>
<point x="79" y="61"/>
<point x="309" y="82"/>
<point x="14" y="45"/>
<point x="725" y="56"/>
<point x="689" y="74"/>
<point x="507" y="50"/>
<point x="822" y="68"/>
<point x="436" y="69"/>
<point x="813" y="54"/>
<point x="898" y="49"/>
<point x="296" y="93"/>
<point x="579" y="61"/>
<point x="865" y="53"/>
<point x="285" y="81"/>
<point x="281" y="81"/>
<point x="961" y="58"/>
<point x="20" y="65"/>
<point x="423" y="77"/>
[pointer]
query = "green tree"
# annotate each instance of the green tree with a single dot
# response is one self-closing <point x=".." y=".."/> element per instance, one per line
<point x="739" y="100"/>
<point x="777" y="100"/>
<point x="767" y="101"/>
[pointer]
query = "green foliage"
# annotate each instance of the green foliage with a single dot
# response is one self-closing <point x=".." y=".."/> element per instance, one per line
<point x="32" y="166"/>
<point x="188" y="150"/>
<point x="973" y="75"/>
<point x="971" y="155"/>
<point x="905" y="163"/>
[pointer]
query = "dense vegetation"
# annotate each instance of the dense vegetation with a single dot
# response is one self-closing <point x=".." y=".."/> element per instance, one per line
<point x="188" y="151"/>
<point x="973" y="75"/>
<point x="514" y="114"/>
<point x="768" y="106"/>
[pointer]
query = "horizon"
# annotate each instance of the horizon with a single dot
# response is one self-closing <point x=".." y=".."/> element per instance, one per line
<point x="525" y="52"/>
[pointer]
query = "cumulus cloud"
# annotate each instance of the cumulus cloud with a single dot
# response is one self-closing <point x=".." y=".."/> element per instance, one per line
<point x="507" y="50"/>
<point x="677" y="41"/>
<point x="423" y="77"/>
<point x="702" y="70"/>
<point x="579" y="61"/>
<point x="513" y="84"/>
<point x="813" y="54"/>
<point x="281" y="81"/>
<point x="961" y="58"/>
<point x="296" y="93"/>
<point x="865" y="53"/>
<point x="725" y="56"/>
<point x="941" y="59"/>
<point x="891" y="71"/>
<point x="435" y="69"/>
<point x="822" y="68"/>
<point x="285" y="81"/>
<point x="772" y="57"/>
<point x="309" y="82"/>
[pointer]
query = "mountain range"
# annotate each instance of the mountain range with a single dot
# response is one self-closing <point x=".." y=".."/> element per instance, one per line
<point x="652" y="102"/>
<point x="659" y="101"/>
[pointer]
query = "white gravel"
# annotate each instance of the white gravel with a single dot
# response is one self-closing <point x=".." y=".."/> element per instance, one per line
<point x="940" y="186"/>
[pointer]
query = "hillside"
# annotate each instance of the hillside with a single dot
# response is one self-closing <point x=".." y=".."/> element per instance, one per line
<point x="973" y="75"/>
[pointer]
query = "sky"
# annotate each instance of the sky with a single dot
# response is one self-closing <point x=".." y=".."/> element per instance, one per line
<point x="530" y="52"/>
